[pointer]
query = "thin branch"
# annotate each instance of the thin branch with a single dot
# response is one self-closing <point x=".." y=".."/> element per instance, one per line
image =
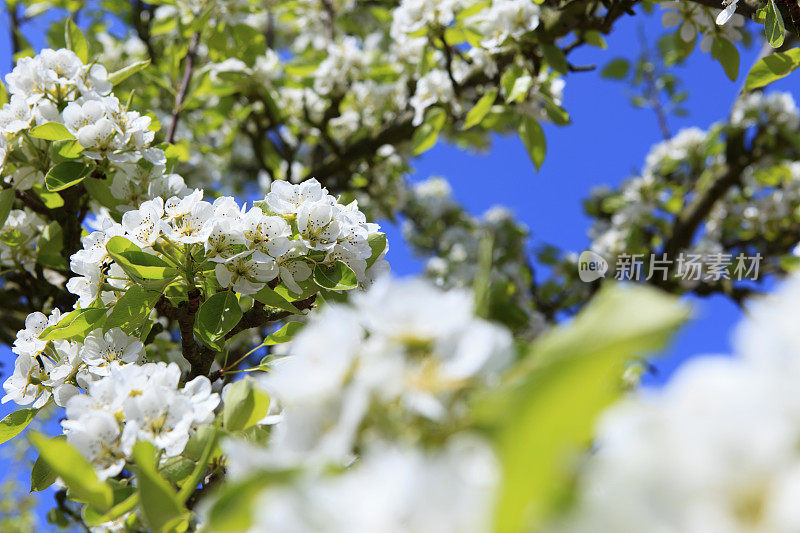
<point x="188" y="70"/>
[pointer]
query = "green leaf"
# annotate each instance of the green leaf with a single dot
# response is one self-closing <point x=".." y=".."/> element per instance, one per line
<point x="13" y="424"/>
<point x="51" y="200"/>
<point x="177" y="469"/>
<point x="131" y="310"/>
<point x="125" y="500"/>
<point x="65" y="175"/>
<point x="245" y="405"/>
<point x="558" y="391"/>
<point x="593" y="38"/>
<point x="271" y="298"/>
<point x="216" y="317"/>
<point x="337" y="277"/>
<point x="481" y="108"/>
<point x="773" y="25"/>
<point x="616" y="69"/>
<point x="772" y="67"/>
<point x="52" y="131"/>
<point x="285" y="334"/>
<point x="125" y="72"/>
<point x="158" y="500"/>
<point x="533" y="137"/>
<point x="426" y="135"/>
<point x="42" y="476"/>
<point x="554" y="57"/>
<point x="6" y="202"/>
<point x="75" y="324"/>
<point x="69" y="149"/>
<point x="76" y="472"/>
<point x="139" y="265"/>
<point x="377" y="243"/>
<point x="726" y="53"/>
<point x="76" y="41"/>
<point x="232" y="511"/>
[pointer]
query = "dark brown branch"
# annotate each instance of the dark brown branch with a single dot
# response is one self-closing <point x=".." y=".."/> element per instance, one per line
<point x="188" y="70"/>
<point x="259" y="316"/>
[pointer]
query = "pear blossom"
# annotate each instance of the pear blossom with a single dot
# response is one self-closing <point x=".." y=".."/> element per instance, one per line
<point x="100" y="349"/>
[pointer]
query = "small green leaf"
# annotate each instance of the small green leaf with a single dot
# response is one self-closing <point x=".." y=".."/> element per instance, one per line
<point x="147" y="269"/>
<point x="76" y="472"/>
<point x="6" y="202"/>
<point x="42" y="476"/>
<point x="65" y="175"/>
<point x="554" y="57"/>
<point x="69" y="149"/>
<point x="425" y="136"/>
<point x="158" y="500"/>
<point x="216" y="317"/>
<point x="125" y="72"/>
<point x="533" y="137"/>
<point x="616" y="69"/>
<point x="131" y="310"/>
<point x="75" y="324"/>
<point x="285" y="334"/>
<point x="13" y="424"/>
<point x="76" y="41"/>
<point x="481" y="108"/>
<point x="773" y="25"/>
<point x="337" y="277"/>
<point x="51" y="200"/>
<point x="271" y="298"/>
<point x="245" y="405"/>
<point x="52" y="131"/>
<point x="772" y="67"/>
<point x="377" y="243"/>
<point x="726" y="53"/>
<point x="594" y="38"/>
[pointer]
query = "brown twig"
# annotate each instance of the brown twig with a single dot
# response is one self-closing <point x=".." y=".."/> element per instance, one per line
<point x="188" y="70"/>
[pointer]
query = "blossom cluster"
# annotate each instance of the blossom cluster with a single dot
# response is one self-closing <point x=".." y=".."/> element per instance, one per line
<point x="715" y="449"/>
<point x="55" y="86"/>
<point x="248" y="247"/>
<point x="757" y="208"/>
<point x="363" y="385"/>
<point x="53" y="368"/>
<point x="438" y="226"/>
<point x="404" y="351"/>
<point x="137" y="403"/>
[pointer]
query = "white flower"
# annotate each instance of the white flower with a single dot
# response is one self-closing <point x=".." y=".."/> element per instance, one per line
<point x="434" y="87"/>
<point x="247" y="272"/>
<point x="15" y="115"/>
<point x="725" y="15"/>
<point x="402" y="345"/>
<point x="504" y="19"/>
<point x="100" y="349"/>
<point x="318" y="224"/>
<point x="28" y="341"/>
<point x="145" y="403"/>
<point x="285" y="198"/>
<point x="24" y="387"/>
<point x="269" y="234"/>
<point x="98" y="437"/>
<point x="144" y="224"/>
<point x="187" y="218"/>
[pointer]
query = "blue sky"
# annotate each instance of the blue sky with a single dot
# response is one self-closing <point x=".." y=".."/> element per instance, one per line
<point x="606" y="142"/>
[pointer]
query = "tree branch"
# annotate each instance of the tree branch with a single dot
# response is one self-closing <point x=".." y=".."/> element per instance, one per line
<point x="188" y="70"/>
